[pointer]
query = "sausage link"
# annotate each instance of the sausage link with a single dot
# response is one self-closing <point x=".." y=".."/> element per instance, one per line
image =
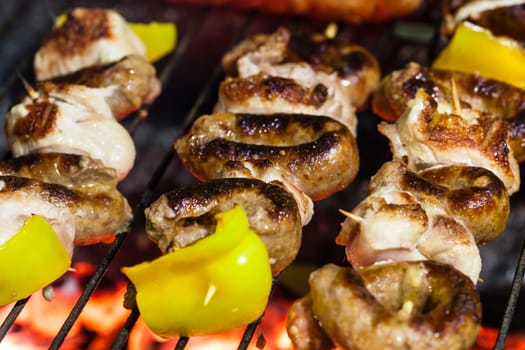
<point x="319" y="155"/>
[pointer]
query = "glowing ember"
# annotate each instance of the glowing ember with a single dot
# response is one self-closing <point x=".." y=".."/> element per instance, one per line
<point x="271" y="332"/>
<point x="104" y="316"/>
<point x="40" y="320"/>
<point x="487" y="339"/>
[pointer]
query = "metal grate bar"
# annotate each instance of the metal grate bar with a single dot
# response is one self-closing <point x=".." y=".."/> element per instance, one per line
<point x="512" y="301"/>
<point x="11" y="317"/>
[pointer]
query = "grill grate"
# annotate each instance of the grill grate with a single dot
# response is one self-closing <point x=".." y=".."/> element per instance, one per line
<point x="191" y="75"/>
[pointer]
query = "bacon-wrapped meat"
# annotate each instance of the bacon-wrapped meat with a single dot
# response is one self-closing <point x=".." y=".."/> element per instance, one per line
<point x="80" y="124"/>
<point x="338" y="77"/>
<point x="436" y="133"/>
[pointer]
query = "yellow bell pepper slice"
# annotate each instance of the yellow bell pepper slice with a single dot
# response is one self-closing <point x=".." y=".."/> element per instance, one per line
<point x="159" y="38"/>
<point x="219" y="283"/>
<point x="30" y="260"/>
<point x="474" y="49"/>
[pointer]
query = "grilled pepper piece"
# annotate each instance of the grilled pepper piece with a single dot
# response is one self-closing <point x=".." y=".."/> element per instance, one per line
<point x="220" y="283"/>
<point x="30" y="260"/>
<point x="159" y="38"/>
<point x="474" y="49"/>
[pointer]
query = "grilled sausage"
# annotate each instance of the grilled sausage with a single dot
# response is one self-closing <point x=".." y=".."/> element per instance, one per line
<point x="80" y="123"/>
<point x="501" y="17"/>
<point x="405" y="305"/>
<point x="182" y="216"/>
<point x="318" y="154"/>
<point x="407" y="217"/>
<point x="355" y="67"/>
<point x="73" y="171"/>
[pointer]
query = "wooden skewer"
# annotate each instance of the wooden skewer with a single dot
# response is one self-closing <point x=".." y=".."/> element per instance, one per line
<point x="29" y="89"/>
<point x="455" y="96"/>
<point x="351" y="216"/>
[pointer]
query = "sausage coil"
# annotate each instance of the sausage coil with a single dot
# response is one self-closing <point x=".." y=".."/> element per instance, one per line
<point x="317" y="154"/>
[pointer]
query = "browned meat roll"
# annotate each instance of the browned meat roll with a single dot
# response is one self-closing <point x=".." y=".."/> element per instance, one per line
<point x="182" y="216"/>
<point x="501" y="17"/>
<point x="432" y="133"/>
<point x="489" y="96"/>
<point x="340" y="76"/>
<point x="318" y="154"/>
<point x="405" y="305"/>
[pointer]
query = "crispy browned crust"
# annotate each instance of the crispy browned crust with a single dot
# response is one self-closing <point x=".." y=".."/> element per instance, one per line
<point x="73" y="171"/>
<point x="506" y="21"/>
<point x="271" y="88"/>
<point x="78" y="32"/>
<point x="38" y="123"/>
<point x="489" y="96"/>
<point x="353" y="64"/>
<point x="474" y="195"/>
<point x="182" y="216"/>
<point x="403" y="305"/>
<point x="303" y="327"/>
<point x="318" y="154"/>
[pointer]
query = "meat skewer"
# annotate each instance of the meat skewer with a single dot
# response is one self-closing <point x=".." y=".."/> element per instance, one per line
<point x="452" y="132"/>
<point x="271" y="162"/>
<point x="308" y="155"/>
<point x="69" y="149"/>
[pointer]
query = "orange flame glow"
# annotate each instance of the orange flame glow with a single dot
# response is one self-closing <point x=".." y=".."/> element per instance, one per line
<point x="104" y="316"/>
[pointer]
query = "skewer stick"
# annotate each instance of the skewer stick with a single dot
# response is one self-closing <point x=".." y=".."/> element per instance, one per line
<point x="455" y="96"/>
<point x="351" y="216"/>
<point x="29" y="89"/>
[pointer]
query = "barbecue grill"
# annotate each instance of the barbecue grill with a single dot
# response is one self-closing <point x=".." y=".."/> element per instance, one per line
<point x="190" y="78"/>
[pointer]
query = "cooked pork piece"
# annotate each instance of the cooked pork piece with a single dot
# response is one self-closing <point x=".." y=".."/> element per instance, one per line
<point x="407" y="217"/>
<point x="79" y="124"/>
<point x="486" y="95"/>
<point x="126" y="84"/>
<point x="96" y="215"/>
<point x="317" y="154"/>
<point x="267" y="94"/>
<point x="87" y="37"/>
<point x="404" y="305"/>
<point x="348" y="73"/>
<point x="432" y="133"/>
<point x="182" y="216"/>
<point x="22" y="198"/>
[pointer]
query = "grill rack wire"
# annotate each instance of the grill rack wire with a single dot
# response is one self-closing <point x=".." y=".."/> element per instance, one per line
<point x="19" y="58"/>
